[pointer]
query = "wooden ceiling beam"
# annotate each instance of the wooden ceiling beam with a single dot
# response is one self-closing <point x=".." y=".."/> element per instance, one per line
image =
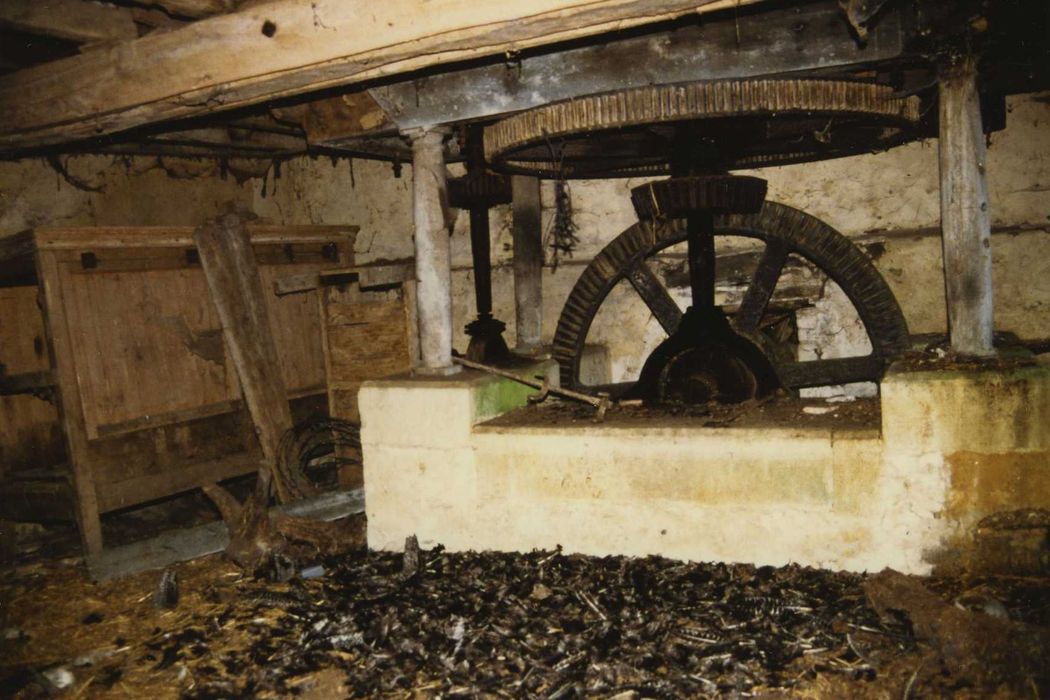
<point x="289" y="47"/>
<point x="74" y="20"/>
<point x="194" y="8"/>
<point x="339" y="117"/>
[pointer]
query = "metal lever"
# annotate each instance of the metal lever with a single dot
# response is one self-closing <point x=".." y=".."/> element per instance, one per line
<point x="601" y="402"/>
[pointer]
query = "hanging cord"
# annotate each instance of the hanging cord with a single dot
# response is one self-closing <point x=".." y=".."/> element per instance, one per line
<point x="563" y="238"/>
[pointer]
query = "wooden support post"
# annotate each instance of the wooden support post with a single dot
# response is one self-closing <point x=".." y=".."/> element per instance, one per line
<point x="965" y="219"/>
<point x="528" y="263"/>
<point x="233" y="280"/>
<point x="70" y="406"/>
<point x="433" y="259"/>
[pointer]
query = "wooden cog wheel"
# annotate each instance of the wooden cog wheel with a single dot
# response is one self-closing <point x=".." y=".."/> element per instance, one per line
<point x="752" y="123"/>
<point x="784" y="231"/>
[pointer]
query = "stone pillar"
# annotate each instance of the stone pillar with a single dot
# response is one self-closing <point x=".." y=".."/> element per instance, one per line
<point x="965" y="219"/>
<point x="528" y="263"/>
<point x="433" y="261"/>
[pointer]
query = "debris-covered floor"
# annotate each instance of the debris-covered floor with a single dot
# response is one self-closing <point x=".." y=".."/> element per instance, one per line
<point x="543" y="624"/>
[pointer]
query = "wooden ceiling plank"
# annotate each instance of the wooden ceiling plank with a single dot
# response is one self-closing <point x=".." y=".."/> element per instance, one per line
<point x="288" y="47"/>
<point x="74" y="20"/>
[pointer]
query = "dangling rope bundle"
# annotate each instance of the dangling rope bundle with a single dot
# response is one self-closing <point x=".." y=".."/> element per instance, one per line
<point x="563" y="230"/>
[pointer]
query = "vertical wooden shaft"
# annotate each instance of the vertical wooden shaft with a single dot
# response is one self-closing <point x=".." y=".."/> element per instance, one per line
<point x="701" y="241"/>
<point x="965" y="219"/>
<point x="479" y="225"/>
<point x="527" y="234"/>
<point x="479" y="250"/>
<point x="433" y="261"/>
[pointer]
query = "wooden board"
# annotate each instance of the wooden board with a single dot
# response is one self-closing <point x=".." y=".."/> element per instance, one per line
<point x="147" y="303"/>
<point x="70" y="413"/>
<point x="103" y="237"/>
<point x="17" y="261"/>
<point x="236" y="289"/>
<point x="30" y="435"/>
<point x="367" y="337"/>
<point x="163" y="326"/>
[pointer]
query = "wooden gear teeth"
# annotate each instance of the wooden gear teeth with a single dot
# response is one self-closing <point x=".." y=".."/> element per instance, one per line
<point x="677" y="197"/>
<point x="488" y="190"/>
<point x="832" y="118"/>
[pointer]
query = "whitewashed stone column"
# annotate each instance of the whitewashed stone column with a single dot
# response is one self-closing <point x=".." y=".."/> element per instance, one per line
<point x="965" y="219"/>
<point x="433" y="261"/>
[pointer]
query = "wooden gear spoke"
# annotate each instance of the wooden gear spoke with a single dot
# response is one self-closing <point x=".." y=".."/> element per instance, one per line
<point x="760" y="291"/>
<point x="840" y="370"/>
<point x="655" y="296"/>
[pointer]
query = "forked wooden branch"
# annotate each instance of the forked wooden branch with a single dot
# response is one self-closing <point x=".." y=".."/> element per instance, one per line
<point x="236" y="290"/>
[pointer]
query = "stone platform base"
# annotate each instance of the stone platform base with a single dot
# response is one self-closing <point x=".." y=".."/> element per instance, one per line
<point x="952" y="448"/>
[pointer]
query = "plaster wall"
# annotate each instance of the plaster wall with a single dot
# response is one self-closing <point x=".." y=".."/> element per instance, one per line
<point x="115" y="191"/>
<point x="890" y="199"/>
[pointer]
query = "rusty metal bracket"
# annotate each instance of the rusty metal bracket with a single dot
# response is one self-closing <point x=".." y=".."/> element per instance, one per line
<point x="39" y="384"/>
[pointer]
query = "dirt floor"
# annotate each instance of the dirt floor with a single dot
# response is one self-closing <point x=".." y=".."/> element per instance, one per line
<point x="776" y="412"/>
<point x="544" y="624"/>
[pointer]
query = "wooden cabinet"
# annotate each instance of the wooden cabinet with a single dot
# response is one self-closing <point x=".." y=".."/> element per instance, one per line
<point x="144" y="391"/>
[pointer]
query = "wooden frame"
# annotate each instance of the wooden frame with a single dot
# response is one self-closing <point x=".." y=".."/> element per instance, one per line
<point x="148" y="401"/>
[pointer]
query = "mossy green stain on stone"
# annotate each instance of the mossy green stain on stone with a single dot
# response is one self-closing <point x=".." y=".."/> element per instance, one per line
<point x="498" y="396"/>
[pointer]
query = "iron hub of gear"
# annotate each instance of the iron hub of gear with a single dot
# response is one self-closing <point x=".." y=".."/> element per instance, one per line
<point x="705" y="360"/>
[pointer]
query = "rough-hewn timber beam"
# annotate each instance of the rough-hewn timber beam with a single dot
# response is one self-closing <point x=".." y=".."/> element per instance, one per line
<point x="288" y="47"/>
<point x="75" y="20"/>
<point x="965" y="219"/>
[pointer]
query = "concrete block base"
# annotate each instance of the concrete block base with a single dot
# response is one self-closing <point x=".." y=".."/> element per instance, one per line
<point x="857" y="499"/>
<point x="968" y="444"/>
